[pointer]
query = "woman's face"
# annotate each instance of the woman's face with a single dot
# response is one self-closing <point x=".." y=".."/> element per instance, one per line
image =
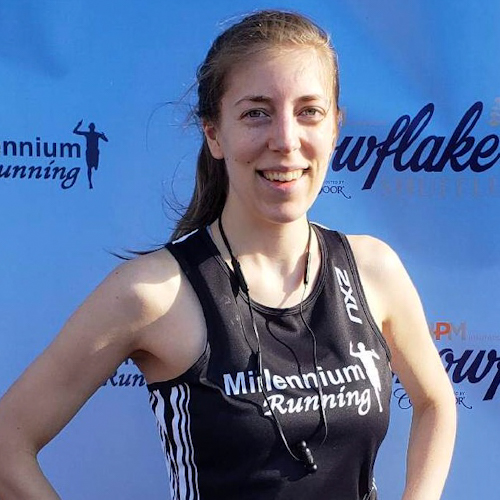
<point x="276" y="132"/>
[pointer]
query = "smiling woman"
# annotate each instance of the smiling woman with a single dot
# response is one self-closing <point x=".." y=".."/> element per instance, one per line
<point x="267" y="342"/>
<point x="265" y="35"/>
<point x="275" y="132"/>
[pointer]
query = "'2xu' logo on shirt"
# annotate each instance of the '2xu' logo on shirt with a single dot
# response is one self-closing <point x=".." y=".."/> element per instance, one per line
<point x="350" y="303"/>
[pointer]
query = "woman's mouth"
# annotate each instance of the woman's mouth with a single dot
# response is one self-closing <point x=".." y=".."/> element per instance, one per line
<point x="288" y="176"/>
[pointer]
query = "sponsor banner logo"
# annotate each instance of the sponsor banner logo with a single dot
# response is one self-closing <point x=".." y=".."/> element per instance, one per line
<point x="476" y="369"/>
<point x="473" y="366"/>
<point x="38" y="159"/>
<point x="447" y="331"/>
<point x="403" y="400"/>
<point x="470" y="370"/>
<point x="445" y="186"/>
<point x="337" y="187"/>
<point x="408" y="148"/>
<point x="126" y="375"/>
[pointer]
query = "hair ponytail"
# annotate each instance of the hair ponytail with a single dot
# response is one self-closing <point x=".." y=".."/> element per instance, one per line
<point x="209" y="196"/>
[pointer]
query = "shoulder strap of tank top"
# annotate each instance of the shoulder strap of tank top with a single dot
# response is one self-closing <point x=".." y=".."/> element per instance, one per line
<point x="195" y="253"/>
<point x="342" y="256"/>
<point x="200" y="261"/>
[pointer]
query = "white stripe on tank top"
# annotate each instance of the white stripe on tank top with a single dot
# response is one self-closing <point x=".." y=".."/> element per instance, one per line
<point x="178" y="447"/>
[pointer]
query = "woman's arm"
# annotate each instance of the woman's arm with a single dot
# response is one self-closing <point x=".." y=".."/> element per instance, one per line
<point x="396" y="306"/>
<point x="102" y="333"/>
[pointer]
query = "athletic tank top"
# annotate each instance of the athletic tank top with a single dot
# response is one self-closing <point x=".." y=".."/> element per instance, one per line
<point x="220" y="439"/>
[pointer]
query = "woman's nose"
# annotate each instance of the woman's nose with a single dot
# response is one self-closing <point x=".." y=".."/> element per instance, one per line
<point x="285" y="134"/>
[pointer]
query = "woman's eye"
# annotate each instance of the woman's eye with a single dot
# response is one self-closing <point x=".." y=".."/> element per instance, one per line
<point x="311" y="112"/>
<point x="255" y="113"/>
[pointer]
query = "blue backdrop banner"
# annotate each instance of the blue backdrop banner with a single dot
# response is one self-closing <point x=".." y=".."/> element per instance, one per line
<point x="95" y="135"/>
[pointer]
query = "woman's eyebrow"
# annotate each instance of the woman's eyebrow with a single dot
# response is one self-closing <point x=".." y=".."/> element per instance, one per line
<point x="253" y="98"/>
<point x="266" y="99"/>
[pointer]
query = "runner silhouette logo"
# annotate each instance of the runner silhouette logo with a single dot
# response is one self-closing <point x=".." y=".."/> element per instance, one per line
<point x="92" y="138"/>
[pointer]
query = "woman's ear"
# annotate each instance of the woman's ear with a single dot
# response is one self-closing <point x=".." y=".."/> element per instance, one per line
<point x="210" y="132"/>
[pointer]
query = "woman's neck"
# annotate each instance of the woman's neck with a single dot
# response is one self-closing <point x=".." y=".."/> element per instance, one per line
<point x="273" y="257"/>
<point x="260" y="239"/>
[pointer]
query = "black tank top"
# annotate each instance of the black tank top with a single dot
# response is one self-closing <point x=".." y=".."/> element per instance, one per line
<point x="219" y="437"/>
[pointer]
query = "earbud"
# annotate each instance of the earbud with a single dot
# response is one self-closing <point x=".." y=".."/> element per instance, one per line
<point x="306" y="457"/>
<point x="301" y="453"/>
<point x="308" y="268"/>
<point x="239" y="275"/>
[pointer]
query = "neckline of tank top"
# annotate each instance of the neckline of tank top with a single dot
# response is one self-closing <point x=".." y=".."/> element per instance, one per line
<point x="310" y="299"/>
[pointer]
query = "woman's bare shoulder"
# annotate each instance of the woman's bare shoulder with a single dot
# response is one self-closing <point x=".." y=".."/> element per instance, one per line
<point x="144" y="286"/>
<point x="373" y="255"/>
<point x="382" y="275"/>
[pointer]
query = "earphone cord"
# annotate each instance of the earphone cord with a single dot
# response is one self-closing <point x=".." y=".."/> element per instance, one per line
<point x="261" y="384"/>
<point x="315" y="359"/>
<point x="313" y="336"/>
<point x="243" y="284"/>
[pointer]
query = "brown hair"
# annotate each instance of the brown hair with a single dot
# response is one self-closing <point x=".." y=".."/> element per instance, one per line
<point x="256" y="32"/>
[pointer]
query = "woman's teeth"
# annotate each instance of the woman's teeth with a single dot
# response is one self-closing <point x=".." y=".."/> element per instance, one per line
<point x="282" y="176"/>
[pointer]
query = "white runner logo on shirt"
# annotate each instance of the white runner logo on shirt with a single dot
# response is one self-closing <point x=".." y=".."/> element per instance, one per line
<point x="346" y="378"/>
<point x="367" y="359"/>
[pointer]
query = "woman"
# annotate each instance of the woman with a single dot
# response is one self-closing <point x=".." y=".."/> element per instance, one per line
<point x="265" y="339"/>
